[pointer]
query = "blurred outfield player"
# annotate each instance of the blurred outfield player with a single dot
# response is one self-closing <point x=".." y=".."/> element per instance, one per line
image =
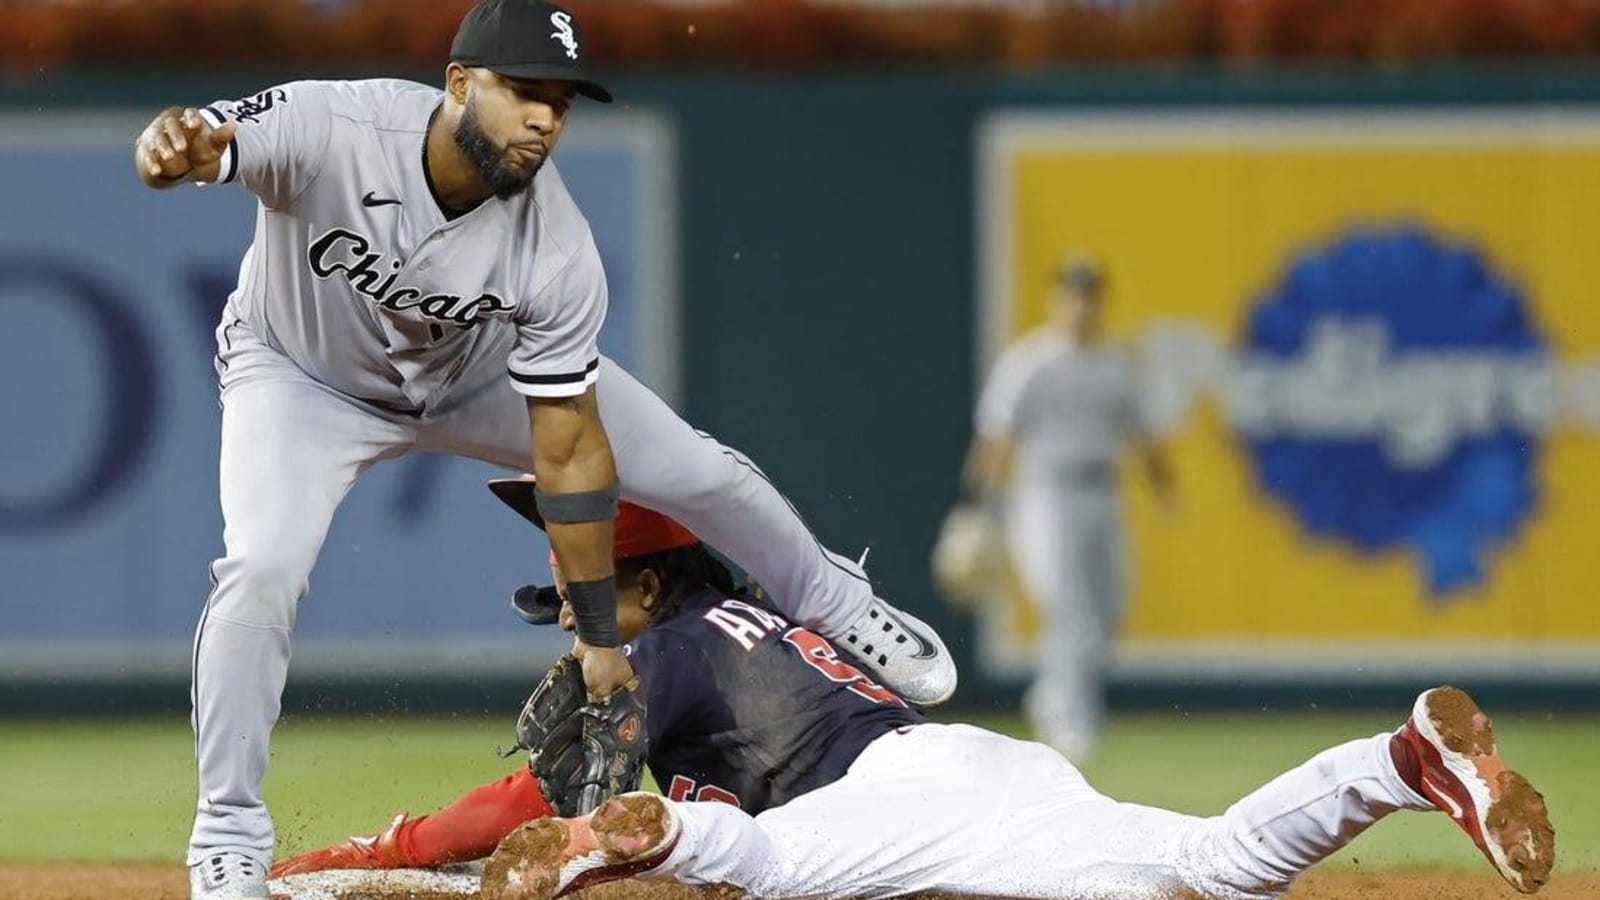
<point x="411" y="245"/>
<point x="790" y="773"/>
<point x="1053" y="418"/>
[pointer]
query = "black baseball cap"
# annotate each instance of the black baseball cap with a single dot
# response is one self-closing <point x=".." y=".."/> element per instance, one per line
<point x="525" y="39"/>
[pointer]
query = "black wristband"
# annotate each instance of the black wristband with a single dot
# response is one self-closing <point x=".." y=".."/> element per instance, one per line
<point x="578" y="507"/>
<point x="594" y="603"/>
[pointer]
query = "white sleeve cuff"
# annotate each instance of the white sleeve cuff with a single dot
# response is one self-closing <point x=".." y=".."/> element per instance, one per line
<point x="559" y="385"/>
<point x="230" y="155"/>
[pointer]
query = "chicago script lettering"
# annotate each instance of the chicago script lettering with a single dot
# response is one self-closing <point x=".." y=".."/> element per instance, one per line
<point x="347" y="253"/>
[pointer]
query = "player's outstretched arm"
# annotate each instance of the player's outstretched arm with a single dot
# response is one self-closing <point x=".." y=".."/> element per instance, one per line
<point x="577" y="493"/>
<point x="179" y="145"/>
<point x="987" y="466"/>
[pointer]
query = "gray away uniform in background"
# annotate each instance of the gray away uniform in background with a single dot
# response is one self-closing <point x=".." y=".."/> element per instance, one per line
<point x="1068" y="411"/>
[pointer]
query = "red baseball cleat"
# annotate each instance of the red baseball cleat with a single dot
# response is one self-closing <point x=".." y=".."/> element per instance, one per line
<point x="629" y="834"/>
<point x="1463" y="775"/>
<point x="378" y="852"/>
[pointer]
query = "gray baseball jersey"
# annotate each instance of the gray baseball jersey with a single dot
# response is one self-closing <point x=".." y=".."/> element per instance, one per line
<point x="358" y="277"/>
<point x="1065" y="406"/>
<point x="1069" y="409"/>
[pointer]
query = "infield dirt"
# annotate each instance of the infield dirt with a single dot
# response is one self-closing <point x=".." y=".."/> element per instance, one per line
<point x="66" y="881"/>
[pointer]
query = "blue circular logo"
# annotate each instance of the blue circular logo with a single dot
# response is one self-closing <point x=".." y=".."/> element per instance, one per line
<point x="1391" y="394"/>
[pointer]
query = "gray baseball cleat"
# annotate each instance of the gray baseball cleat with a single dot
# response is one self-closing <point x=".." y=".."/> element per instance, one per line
<point x="904" y="653"/>
<point x="228" y="875"/>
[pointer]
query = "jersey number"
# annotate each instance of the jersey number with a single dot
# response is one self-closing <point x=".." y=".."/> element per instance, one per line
<point x="820" y="655"/>
<point x="683" y="788"/>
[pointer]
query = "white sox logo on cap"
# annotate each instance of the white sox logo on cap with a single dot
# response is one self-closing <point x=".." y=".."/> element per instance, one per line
<point x="532" y="40"/>
<point x="563" y="23"/>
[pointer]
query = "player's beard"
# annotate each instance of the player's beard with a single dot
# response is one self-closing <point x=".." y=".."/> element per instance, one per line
<point x="488" y="157"/>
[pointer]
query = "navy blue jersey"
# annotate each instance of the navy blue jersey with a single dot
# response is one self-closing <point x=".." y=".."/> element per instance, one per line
<point x="746" y="708"/>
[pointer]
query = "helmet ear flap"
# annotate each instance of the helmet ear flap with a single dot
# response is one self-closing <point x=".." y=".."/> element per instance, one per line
<point x="537" y="605"/>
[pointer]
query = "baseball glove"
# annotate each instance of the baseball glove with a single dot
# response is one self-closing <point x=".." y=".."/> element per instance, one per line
<point x="969" y="558"/>
<point x="582" y="751"/>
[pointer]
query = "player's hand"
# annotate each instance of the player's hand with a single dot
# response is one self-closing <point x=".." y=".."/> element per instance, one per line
<point x="179" y="144"/>
<point x="605" y="671"/>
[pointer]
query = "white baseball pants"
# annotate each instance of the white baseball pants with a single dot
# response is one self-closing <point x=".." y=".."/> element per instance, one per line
<point x="953" y="808"/>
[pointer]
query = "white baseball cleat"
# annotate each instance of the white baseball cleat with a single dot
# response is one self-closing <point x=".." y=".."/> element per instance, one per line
<point x="1463" y="775"/>
<point x="904" y="653"/>
<point x="228" y="875"/>
<point x="628" y="835"/>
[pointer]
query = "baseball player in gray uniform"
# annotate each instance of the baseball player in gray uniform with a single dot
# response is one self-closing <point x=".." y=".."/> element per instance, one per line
<point x="411" y="245"/>
<point x="1052" y="420"/>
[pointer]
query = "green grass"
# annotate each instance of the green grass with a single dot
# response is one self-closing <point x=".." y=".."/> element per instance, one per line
<point x="108" y="791"/>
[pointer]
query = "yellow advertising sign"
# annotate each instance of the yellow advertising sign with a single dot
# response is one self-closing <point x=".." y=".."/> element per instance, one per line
<point x="1379" y="341"/>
